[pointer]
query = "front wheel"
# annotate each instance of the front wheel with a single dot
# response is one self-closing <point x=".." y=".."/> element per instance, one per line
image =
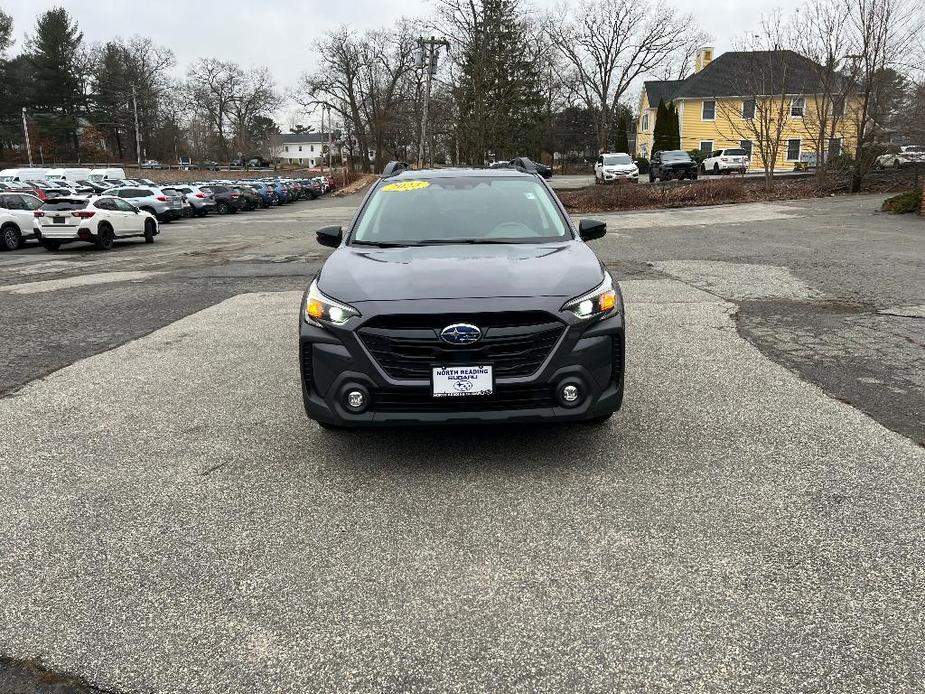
<point x="223" y="208"/>
<point x="11" y="238"/>
<point x="149" y="231"/>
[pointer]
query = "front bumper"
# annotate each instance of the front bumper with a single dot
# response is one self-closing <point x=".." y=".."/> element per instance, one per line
<point x="610" y="176"/>
<point x="334" y="361"/>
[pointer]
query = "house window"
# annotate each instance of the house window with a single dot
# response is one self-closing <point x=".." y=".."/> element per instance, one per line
<point x="834" y="147"/>
<point x="644" y="150"/>
<point x="748" y="109"/>
<point x="709" y="110"/>
<point x="747" y="146"/>
<point x="797" y="106"/>
<point x="287" y="148"/>
<point x="793" y="150"/>
<point x="645" y="122"/>
<point x="312" y="148"/>
<point x="706" y="145"/>
<point x="838" y="107"/>
<point x="300" y="149"/>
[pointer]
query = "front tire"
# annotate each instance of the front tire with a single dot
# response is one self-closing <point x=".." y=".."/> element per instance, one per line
<point x="10" y="238"/>
<point x="149" y="231"/>
<point x="223" y="208"/>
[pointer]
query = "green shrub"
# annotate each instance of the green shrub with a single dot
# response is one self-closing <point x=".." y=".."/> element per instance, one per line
<point x="910" y="201"/>
<point x="698" y="155"/>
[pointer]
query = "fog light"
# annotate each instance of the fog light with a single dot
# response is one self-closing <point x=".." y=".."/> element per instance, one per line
<point x="356" y="400"/>
<point x="570" y="393"/>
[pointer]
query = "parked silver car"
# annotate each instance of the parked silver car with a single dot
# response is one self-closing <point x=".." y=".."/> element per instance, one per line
<point x="166" y="205"/>
<point x="202" y="200"/>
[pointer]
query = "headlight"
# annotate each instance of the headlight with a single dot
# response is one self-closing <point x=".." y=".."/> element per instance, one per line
<point x="599" y="302"/>
<point x="320" y="309"/>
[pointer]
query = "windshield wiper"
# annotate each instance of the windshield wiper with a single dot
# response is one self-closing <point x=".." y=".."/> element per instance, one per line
<point x="381" y="244"/>
<point x="436" y="242"/>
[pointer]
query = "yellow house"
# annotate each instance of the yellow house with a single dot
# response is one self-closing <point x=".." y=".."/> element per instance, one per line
<point x="755" y="100"/>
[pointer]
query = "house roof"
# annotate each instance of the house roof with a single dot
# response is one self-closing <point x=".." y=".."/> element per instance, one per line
<point x="304" y="138"/>
<point x="658" y="90"/>
<point x="740" y="73"/>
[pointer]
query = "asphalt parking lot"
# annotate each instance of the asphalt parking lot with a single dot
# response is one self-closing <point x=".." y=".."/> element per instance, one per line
<point x="750" y="521"/>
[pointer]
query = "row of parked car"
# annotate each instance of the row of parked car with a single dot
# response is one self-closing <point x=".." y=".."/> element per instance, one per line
<point x="56" y="212"/>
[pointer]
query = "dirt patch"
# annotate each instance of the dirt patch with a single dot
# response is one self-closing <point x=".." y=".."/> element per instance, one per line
<point x="360" y="182"/>
<point x="725" y="190"/>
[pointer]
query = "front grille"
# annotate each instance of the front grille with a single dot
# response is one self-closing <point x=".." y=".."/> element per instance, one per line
<point x="513" y="343"/>
<point x="305" y="355"/>
<point x="504" y="398"/>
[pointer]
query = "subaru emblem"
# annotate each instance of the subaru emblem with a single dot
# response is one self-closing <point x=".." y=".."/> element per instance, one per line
<point x="460" y="334"/>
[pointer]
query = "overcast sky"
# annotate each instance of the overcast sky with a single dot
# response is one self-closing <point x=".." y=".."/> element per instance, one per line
<point x="280" y="35"/>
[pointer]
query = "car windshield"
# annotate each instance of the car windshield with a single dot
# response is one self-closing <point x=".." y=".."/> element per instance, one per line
<point x="615" y="159"/>
<point x="676" y="156"/>
<point x="64" y="205"/>
<point x="733" y="152"/>
<point x="464" y="209"/>
<point x="915" y="148"/>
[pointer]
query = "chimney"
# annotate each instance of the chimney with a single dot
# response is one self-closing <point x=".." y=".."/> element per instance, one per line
<point x="704" y="58"/>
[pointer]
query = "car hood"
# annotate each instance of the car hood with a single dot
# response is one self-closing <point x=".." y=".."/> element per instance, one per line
<point x="357" y="273"/>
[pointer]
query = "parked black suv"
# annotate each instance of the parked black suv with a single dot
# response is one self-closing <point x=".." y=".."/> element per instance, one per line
<point x="227" y="199"/>
<point x="459" y="296"/>
<point x="670" y="164"/>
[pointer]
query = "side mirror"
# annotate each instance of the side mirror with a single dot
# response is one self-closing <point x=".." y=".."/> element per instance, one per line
<point x="330" y="236"/>
<point x="590" y="229"/>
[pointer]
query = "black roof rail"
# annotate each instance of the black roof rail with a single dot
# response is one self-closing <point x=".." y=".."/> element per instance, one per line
<point x="393" y="168"/>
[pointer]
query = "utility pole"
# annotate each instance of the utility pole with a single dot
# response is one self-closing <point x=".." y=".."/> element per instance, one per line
<point x="428" y="51"/>
<point x="137" y="136"/>
<point x="330" y="139"/>
<point x="25" y="129"/>
<point x="322" y="139"/>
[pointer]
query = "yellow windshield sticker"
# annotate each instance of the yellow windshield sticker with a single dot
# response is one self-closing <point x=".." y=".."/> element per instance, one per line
<point x="402" y="186"/>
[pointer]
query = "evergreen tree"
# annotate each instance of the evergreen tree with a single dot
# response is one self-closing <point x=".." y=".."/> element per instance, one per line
<point x="661" y="128"/>
<point x="500" y="103"/>
<point x="623" y="143"/>
<point x="55" y="88"/>
<point x="673" y="132"/>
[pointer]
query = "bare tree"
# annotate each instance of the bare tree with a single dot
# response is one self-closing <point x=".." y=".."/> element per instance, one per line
<point x="338" y="83"/>
<point x="609" y="44"/>
<point x="388" y="56"/>
<point x="211" y="88"/>
<point x="821" y="38"/>
<point x="884" y="33"/>
<point x="763" y="114"/>
<point x="252" y="94"/>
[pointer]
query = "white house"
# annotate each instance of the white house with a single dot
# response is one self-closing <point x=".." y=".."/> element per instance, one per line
<point x="305" y="149"/>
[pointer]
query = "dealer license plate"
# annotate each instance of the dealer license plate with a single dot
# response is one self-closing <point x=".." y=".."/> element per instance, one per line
<point x="457" y="381"/>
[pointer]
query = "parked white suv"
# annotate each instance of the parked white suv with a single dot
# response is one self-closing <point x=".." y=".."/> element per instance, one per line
<point x="902" y="156"/>
<point x="17" y="221"/>
<point x="724" y="161"/>
<point x="612" y="167"/>
<point x="99" y="220"/>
